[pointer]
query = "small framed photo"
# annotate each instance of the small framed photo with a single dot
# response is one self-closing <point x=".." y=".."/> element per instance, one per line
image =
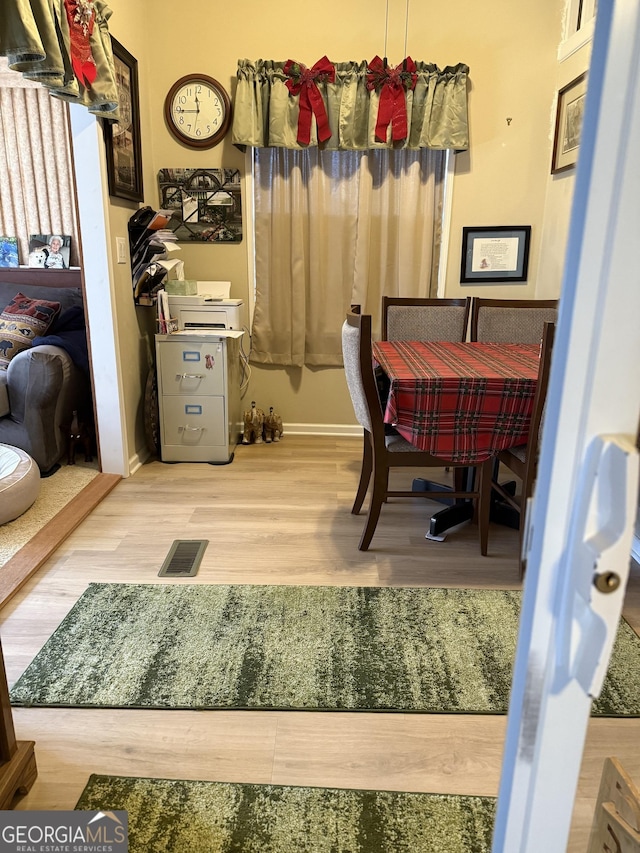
<point x="9" y="252"/>
<point x="49" y="251"/>
<point x="569" y="113"/>
<point x="499" y="253"/>
<point x="122" y="137"/>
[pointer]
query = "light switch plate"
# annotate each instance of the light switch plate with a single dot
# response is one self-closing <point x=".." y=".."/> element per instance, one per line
<point x="121" y="249"/>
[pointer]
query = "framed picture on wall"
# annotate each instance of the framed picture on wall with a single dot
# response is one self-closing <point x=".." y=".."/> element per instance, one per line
<point x="122" y="137"/>
<point x="569" y="112"/>
<point x="498" y="253"/>
<point x="205" y="204"/>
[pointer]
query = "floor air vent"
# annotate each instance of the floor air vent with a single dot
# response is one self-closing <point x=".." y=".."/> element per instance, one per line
<point x="183" y="558"/>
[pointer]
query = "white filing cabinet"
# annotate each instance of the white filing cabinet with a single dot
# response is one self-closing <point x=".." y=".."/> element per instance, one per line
<point x="199" y="395"/>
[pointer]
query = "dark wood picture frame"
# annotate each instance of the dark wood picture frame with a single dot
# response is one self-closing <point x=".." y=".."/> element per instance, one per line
<point x="122" y="137"/>
<point x="569" y="113"/>
<point x="498" y="253"/>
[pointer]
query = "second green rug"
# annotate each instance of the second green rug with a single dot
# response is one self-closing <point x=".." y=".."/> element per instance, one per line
<point x="295" y="647"/>
<point x="168" y="816"/>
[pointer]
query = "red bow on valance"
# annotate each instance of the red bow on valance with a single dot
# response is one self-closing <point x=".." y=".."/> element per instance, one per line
<point x="391" y="84"/>
<point x="303" y="81"/>
<point x="81" y="16"/>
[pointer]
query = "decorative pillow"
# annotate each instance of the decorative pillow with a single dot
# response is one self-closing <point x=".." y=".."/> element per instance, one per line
<point x="20" y="322"/>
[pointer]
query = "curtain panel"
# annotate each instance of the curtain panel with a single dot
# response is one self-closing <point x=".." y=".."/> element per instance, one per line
<point x="333" y="229"/>
<point x="266" y="113"/>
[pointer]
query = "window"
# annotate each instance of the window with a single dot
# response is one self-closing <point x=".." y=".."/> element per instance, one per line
<point x="36" y="182"/>
<point x="579" y="24"/>
<point x="335" y="228"/>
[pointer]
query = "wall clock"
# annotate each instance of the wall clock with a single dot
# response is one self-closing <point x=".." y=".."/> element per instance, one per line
<point x="197" y="110"/>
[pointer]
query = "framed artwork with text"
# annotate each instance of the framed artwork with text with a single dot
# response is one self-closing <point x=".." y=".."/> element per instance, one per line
<point x="494" y="254"/>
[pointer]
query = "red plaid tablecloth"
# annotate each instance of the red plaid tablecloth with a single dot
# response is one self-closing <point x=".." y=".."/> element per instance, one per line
<point x="462" y="402"/>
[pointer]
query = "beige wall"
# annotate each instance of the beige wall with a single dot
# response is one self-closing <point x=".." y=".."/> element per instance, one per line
<point x="504" y="178"/>
<point x="135" y="325"/>
<point x="559" y="194"/>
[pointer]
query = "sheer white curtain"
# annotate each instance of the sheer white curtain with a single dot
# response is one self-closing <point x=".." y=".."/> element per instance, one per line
<point x="335" y="228"/>
<point x="36" y="183"/>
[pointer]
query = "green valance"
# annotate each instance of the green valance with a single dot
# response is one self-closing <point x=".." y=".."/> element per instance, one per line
<point x="266" y="113"/>
<point x="65" y="45"/>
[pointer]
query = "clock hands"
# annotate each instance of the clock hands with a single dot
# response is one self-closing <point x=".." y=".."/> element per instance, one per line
<point x="180" y="109"/>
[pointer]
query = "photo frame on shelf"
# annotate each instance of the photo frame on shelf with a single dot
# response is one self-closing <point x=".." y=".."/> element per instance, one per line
<point x="493" y="254"/>
<point x="49" y="251"/>
<point x="9" y="252"/>
<point x="122" y="137"/>
<point x="569" y="113"/>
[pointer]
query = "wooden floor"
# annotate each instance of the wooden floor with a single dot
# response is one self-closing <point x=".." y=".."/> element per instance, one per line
<point x="279" y="514"/>
<point x="16" y="571"/>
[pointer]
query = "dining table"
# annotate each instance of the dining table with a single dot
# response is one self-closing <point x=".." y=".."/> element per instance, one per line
<point x="459" y="401"/>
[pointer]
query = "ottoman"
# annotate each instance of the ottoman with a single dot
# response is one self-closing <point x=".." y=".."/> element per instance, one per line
<point x="19" y="482"/>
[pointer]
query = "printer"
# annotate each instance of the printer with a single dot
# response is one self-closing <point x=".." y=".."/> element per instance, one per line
<point x="205" y="306"/>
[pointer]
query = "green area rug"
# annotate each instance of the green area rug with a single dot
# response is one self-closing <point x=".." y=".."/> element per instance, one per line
<point x="295" y="647"/>
<point x="168" y="816"/>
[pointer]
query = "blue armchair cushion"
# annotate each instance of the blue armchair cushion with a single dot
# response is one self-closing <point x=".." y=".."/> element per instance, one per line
<point x="68" y="331"/>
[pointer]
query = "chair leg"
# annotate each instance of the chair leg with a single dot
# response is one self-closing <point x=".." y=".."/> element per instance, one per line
<point x="522" y="563"/>
<point x="365" y="474"/>
<point x="378" y="496"/>
<point x="460" y="479"/>
<point x="527" y="493"/>
<point x="484" y="504"/>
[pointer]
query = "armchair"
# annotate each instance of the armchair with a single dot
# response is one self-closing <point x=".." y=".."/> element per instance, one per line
<point x="43" y="384"/>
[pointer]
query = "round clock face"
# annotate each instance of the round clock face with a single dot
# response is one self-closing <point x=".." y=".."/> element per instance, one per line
<point x="198" y="111"/>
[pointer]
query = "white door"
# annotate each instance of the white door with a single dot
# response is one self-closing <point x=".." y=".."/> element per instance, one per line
<point x="581" y="523"/>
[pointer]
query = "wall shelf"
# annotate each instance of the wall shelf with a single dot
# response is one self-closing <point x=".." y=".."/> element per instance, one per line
<point x="41" y="278"/>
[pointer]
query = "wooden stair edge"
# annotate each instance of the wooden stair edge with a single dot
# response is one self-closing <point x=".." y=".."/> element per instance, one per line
<point x="39" y="548"/>
<point x="18" y="774"/>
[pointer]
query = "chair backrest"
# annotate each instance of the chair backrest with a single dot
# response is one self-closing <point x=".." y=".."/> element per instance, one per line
<point x="357" y="354"/>
<point x="511" y="321"/>
<point x="408" y="319"/>
<point x="617" y="813"/>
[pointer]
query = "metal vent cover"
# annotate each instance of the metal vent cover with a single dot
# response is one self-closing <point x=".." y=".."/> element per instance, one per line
<point x="183" y="559"/>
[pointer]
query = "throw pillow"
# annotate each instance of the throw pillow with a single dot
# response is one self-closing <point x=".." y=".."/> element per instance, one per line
<point x="20" y="322"/>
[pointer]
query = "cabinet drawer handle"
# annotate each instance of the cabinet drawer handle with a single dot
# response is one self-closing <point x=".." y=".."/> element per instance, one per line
<point x="189" y="376"/>
<point x="191" y="429"/>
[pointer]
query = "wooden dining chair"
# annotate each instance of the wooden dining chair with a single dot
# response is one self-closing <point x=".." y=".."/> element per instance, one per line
<point x="523" y="459"/>
<point x="616" y="820"/>
<point x="409" y="319"/>
<point x="382" y="452"/>
<point x="511" y="321"/>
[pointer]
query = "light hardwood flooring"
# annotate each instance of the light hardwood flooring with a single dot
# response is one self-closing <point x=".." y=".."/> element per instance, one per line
<point x="34" y="553"/>
<point x="279" y="514"/>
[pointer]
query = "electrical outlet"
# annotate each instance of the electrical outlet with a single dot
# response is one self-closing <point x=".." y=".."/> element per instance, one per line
<point x="121" y="250"/>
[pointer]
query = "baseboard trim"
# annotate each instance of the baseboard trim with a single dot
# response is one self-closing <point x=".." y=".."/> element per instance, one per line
<point x="137" y="461"/>
<point x="353" y="430"/>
